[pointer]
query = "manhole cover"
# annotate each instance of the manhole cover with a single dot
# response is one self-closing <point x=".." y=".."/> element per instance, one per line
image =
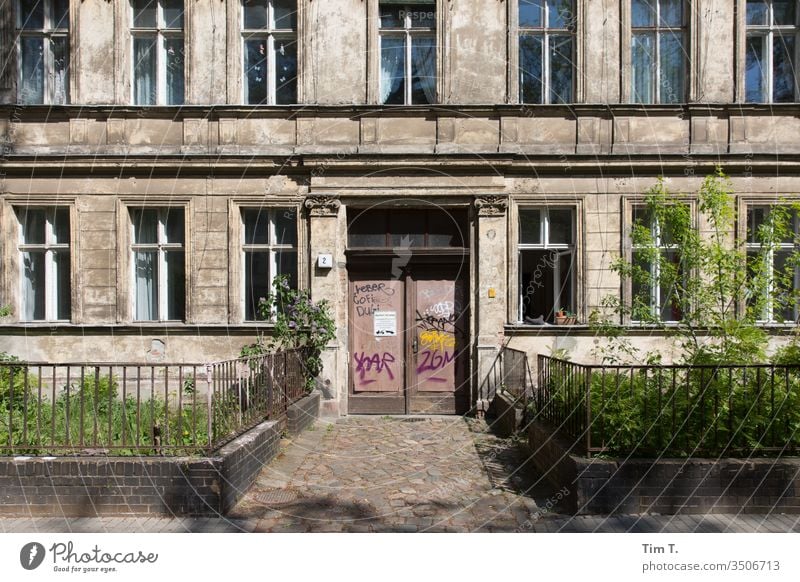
<point x="277" y="497"/>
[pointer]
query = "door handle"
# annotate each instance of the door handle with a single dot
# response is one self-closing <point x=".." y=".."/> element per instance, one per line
<point x="414" y="345"/>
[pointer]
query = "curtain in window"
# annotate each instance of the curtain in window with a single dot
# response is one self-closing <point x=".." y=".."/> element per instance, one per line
<point x="33" y="289"/>
<point x="32" y="76"/>
<point x="173" y="48"/>
<point x="144" y="71"/>
<point x="393" y="64"/>
<point x="423" y="70"/>
<point x="672" y="67"/>
<point x="643" y="65"/>
<point x="146" y="285"/>
<point x="60" y="49"/>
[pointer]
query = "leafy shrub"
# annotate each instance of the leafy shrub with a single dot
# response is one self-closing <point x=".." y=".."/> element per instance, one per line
<point x="300" y="323"/>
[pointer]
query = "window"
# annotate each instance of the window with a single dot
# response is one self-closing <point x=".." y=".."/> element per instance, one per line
<point x="408" y="53"/>
<point x="45" y="264"/>
<point x="773" y="260"/>
<point x="270" y="51"/>
<point x="269" y="249"/>
<point x="657" y="268"/>
<point x="158" y="260"/>
<point x="158" y="55"/>
<point x="546" y="51"/>
<point x="658" y="51"/>
<point x="771" y="51"/>
<point x="546" y="263"/>
<point x="43" y="37"/>
<point x="399" y="228"/>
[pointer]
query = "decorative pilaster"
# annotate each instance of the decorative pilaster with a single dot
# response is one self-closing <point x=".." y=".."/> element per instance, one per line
<point x="491" y="205"/>
<point x="323" y="204"/>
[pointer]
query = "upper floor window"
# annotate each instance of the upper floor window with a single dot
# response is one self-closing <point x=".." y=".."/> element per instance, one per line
<point x="658" y="51"/>
<point x="269" y="37"/>
<point x="158" y="53"/>
<point x="773" y="269"/>
<point x="44" y="248"/>
<point x="771" y="51"/>
<point x="269" y="249"/>
<point x="546" y="51"/>
<point x="408" y="52"/>
<point x="159" y="272"/>
<point x="43" y="37"/>
<point x="547" y="263"/>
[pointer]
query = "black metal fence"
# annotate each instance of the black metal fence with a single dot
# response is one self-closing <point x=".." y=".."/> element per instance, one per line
<point x="672" y="410"/>
<point x="141" y="409"/>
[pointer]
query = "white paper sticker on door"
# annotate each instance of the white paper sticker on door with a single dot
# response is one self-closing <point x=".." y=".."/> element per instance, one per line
<point x="385" y="323"/>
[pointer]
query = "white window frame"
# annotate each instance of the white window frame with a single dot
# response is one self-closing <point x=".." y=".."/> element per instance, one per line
<point x="47" y="34"/>
<point x="768" y="316"/>
<point x="49" y="247"/>
<point x="545" y="245"/>
<point x="407" y="32"/>
<point x="161" y="247"/>
<point x="655" y="268"/>
<point x="160" y="33"/>
<point x="546" y="32"/>
<point x="769" y="31"/>
<point x="657" y="30"/>
<point x="270" y="34"/>
<point x="272" y="247"/>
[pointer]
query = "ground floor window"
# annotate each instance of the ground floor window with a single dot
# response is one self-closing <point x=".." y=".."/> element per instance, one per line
<point x="44" y="257"/>
<point x="547" y="264"/>
<point x="159" y="264"/>
<point x="269" y="249"/>
<point x="772" y="260"/>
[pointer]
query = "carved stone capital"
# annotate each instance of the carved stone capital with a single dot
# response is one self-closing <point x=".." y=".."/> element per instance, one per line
<point x="323" y="204"/>
<point x="491" y="205"/>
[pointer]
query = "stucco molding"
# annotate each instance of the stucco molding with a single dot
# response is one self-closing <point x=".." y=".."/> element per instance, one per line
<point x="323" y="204"/>
<point x="491" y="205"/>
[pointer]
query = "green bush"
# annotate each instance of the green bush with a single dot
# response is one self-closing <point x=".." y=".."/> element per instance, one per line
<point x="91" y="414"/>
<point x="700" y="411"/>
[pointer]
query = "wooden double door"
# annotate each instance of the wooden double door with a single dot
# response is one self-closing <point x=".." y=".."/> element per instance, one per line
<point x="409" y="341"/>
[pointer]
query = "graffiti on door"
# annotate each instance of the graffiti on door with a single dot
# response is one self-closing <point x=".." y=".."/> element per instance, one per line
<point x="370" y="367"/>
<point x="371" y="297"/>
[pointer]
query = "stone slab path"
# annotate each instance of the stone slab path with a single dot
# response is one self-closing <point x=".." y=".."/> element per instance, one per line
<point x="403" y="474"/>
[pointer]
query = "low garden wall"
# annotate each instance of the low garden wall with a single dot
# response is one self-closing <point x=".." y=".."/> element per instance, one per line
<point x="665" y="486"/>
<point x="303" y="413"/>
<point x="505" y="414"/>
<point x="101" y="486"/>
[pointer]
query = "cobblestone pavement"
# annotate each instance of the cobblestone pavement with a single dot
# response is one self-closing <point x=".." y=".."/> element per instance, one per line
<point x="403" y="474"/>
<point x="366" y="474"/>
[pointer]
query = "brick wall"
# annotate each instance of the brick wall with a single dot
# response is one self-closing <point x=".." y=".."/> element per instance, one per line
<point x="666" y="486"/>
<point x="303" y="413"/>
<point x="136" y="485"/>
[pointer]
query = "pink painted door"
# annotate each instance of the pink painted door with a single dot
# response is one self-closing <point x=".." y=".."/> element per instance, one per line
<point x="377" y="345"/>
<point x="408" y="342"/>
<point x="439" y="333"/>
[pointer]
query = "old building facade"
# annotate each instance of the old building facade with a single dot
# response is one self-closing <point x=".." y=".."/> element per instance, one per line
<point x="464" y="168"/>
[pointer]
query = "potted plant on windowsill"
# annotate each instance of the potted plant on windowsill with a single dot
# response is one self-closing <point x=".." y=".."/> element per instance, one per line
<point x="565" y="317"/>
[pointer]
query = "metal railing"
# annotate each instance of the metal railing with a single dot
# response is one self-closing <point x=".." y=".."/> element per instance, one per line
<point x="672" y="410"/>
<point x="511" y="372"/>
<point x="141" y="409"/>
